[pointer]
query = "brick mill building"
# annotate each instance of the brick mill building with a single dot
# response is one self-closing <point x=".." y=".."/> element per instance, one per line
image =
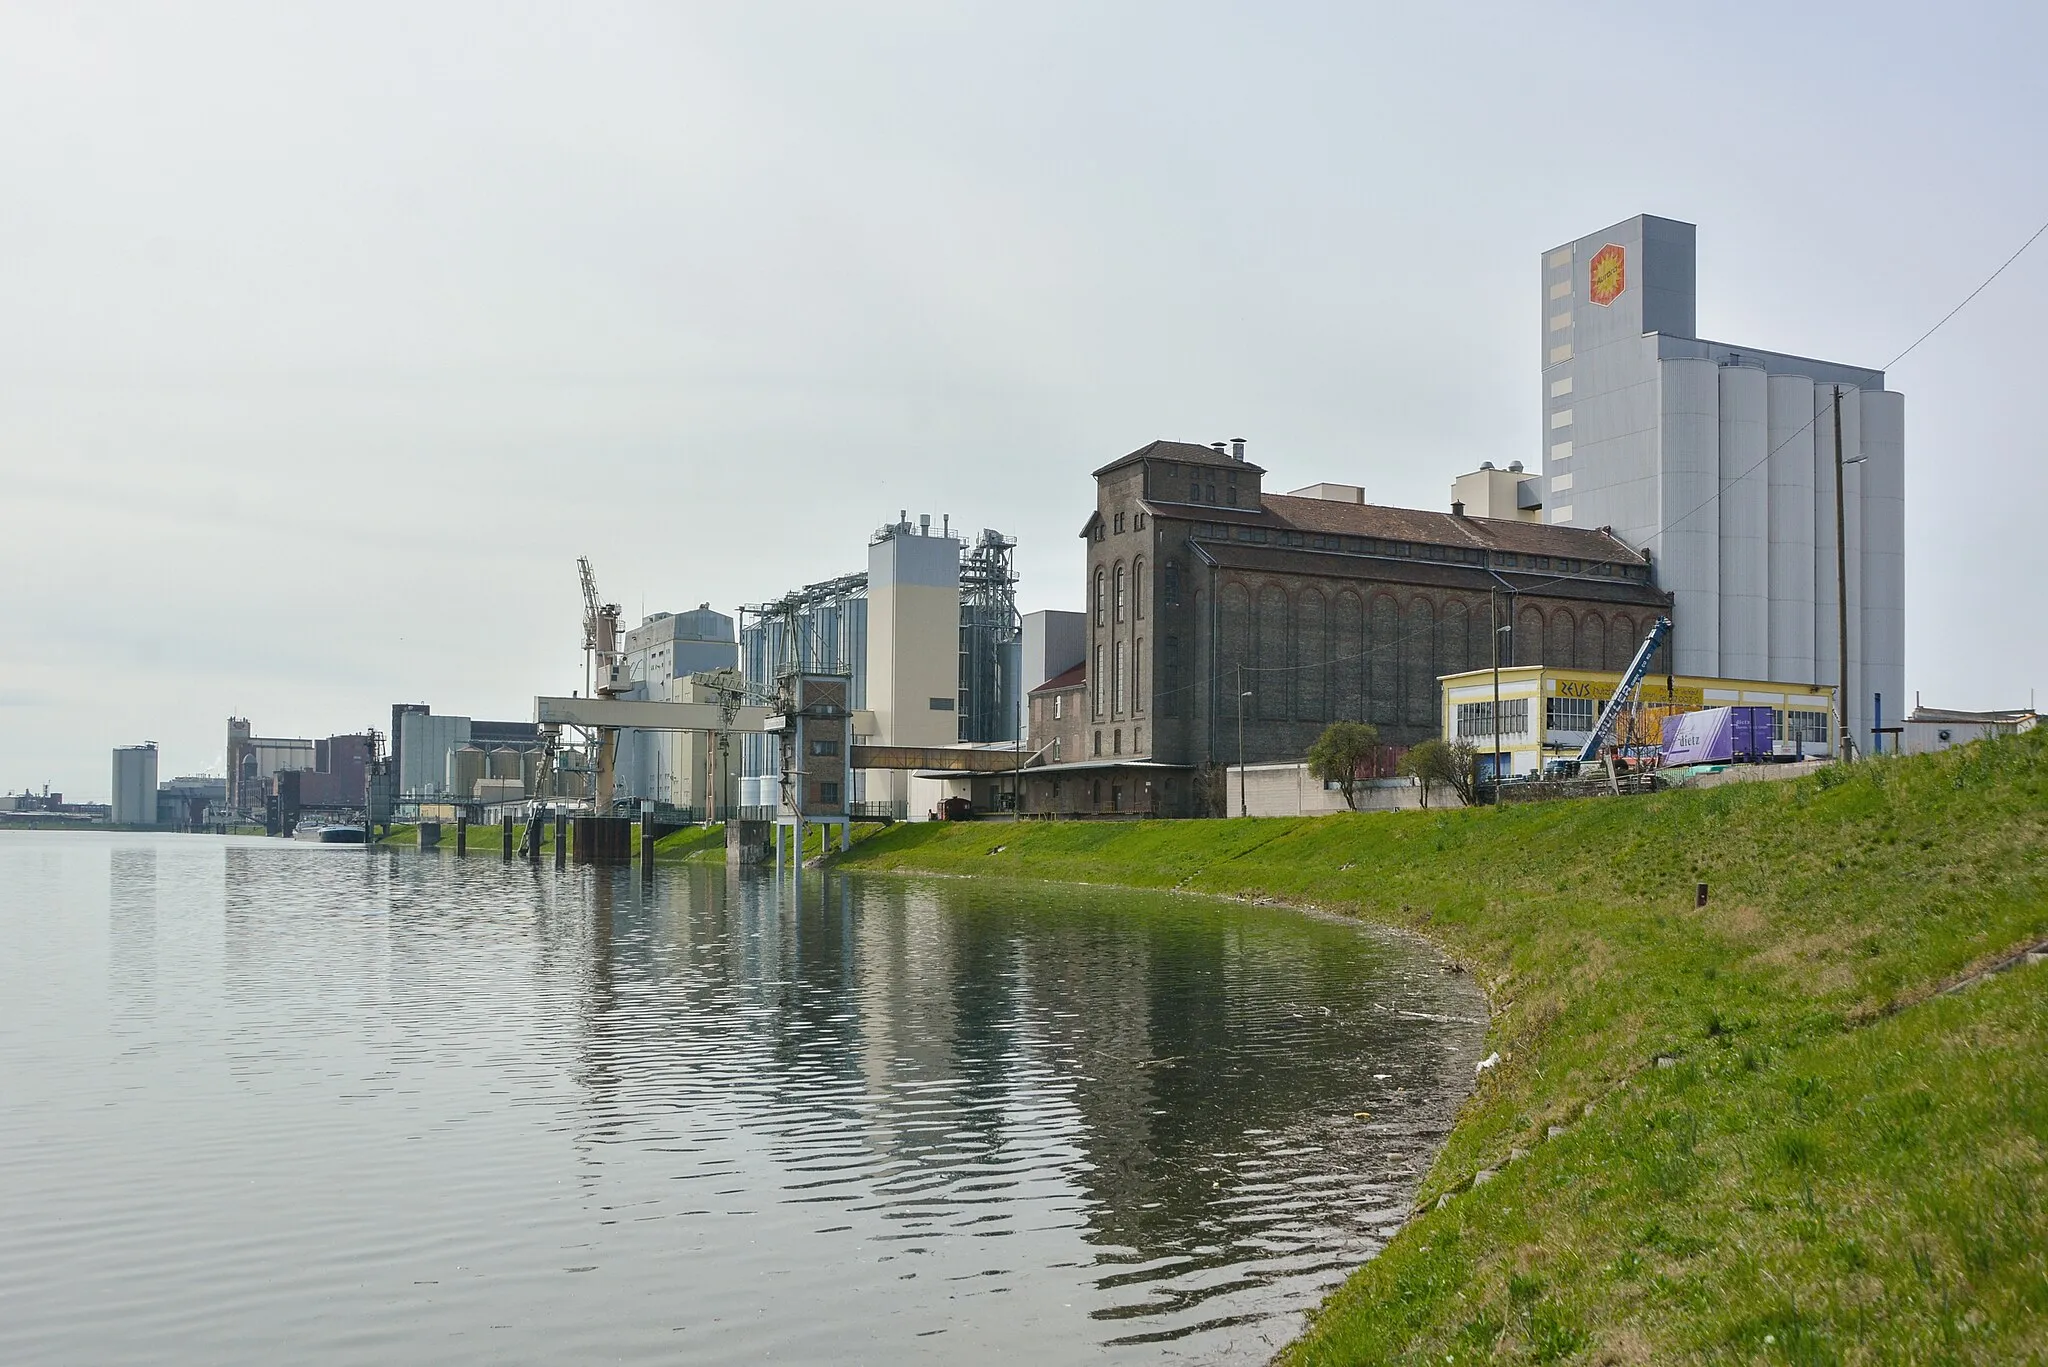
<point x="1202" y="587"/>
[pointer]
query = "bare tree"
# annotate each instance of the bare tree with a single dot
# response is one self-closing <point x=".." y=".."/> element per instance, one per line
<point x="1340" y="752"/>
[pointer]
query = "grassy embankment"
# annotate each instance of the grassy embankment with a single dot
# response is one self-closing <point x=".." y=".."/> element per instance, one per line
<point x="1839" y="1162"/>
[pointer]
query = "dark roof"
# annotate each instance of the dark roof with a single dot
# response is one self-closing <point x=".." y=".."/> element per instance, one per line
<point x="1384" y="569"/>
<point x="1446" y="529"/>
<point x="1072" y="678"/>
<point x="1186" y="452"/>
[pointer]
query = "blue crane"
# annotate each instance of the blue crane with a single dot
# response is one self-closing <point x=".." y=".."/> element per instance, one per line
<point x="1623" y="691"/>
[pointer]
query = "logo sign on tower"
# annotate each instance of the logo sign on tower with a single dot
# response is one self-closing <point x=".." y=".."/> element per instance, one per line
<point x="1608" y="275"/>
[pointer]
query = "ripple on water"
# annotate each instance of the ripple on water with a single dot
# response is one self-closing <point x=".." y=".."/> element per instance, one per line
<point x="276" y="1101"/>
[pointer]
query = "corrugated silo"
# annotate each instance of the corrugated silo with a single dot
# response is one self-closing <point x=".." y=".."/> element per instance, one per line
<point x="1690" y="543"/>
<point x="504" y="762"/>
<point x="465" y="770"/>
<point x="1745" y="512"/>
<point x="529" y="771"/>
<point x="1884" y="549"/>
<point x="1792" y="527"/>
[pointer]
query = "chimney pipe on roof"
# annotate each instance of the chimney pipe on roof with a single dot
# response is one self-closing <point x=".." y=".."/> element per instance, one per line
<point x="1217" y="447"/>
<point x="1457" y="507"/>
<point x="924" y="524"/>
<point x="1237" y="448"/>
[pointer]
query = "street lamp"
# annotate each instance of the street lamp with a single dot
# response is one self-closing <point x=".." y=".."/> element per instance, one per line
<point x="1243" y="693"/>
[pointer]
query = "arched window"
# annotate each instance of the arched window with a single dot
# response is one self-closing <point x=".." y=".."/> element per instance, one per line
<point x="1138" y="588"/>
<point x="1095" y="690"/>
<point x="1101" y="596"/>
<point x="1138" y="676"/>
<point x="1120" y="590"/>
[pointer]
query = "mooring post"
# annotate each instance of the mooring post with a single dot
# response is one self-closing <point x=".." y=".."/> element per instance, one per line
<point x="561" y="839"/>
<point x="461" y="836"/>
<point x="505" y="824"/>
<point x="646" y="843"/>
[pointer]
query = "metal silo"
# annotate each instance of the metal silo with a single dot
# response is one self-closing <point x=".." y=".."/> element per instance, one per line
<point x="1792" y="527"/>
<point x="529" y="771"/>
<point x="504" y="762"/>
<point x="1744" y="521"/>
<point x="465" y="769"/>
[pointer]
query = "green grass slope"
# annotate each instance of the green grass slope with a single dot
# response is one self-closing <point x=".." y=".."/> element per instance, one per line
<point x="1759" y="1131"/>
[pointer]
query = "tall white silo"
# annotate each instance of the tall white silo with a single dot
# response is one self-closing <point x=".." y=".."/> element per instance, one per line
<point x="1744" y="519"/>
<point x="1884" y="549"/>
<point x="1792" y="528"/>
<point x="1689" y="478"/>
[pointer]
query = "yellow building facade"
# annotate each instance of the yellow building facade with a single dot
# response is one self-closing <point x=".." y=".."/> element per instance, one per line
<point x="1548" y="713"/>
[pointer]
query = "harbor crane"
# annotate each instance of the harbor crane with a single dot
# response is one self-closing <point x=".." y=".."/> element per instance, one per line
<point x="604" y="671"/>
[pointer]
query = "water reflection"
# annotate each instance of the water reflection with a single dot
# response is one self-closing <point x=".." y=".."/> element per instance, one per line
<point x="725" y="1115"/>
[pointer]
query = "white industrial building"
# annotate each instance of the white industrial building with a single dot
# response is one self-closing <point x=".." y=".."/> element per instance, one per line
<point x="135" y="785"/>
<point x="663" y="657"/>
<point x="1719" y="461"/>
<point x="929" y="640"/>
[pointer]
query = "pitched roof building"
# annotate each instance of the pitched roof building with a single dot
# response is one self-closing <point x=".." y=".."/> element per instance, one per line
<point x="1214" y="605"/>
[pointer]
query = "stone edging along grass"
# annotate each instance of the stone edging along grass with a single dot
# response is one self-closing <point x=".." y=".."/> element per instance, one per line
<point x="1768" y="1129"/>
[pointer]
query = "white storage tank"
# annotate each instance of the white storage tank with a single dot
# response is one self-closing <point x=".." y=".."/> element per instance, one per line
<point x="465" y="770"/>
<point x="1688" y="550"/>
<point x="1792" y="529"/>
<point x="1745" y="512"/>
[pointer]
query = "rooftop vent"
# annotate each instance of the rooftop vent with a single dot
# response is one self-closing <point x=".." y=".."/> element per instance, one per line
<point x="1514" y="467"/>
<point x="1486" y="465"/>
<point x="1237" y="448"/>
<point x="1457" y="508"/>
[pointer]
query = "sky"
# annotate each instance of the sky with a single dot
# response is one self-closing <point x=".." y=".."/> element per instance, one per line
<point x="330" y="336"/>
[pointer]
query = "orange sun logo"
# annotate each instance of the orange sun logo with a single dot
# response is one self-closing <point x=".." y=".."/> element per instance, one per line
<point x="1608" y="276"/>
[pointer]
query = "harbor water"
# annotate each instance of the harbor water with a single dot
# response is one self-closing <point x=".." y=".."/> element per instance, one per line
<point x="276" y="1101"/>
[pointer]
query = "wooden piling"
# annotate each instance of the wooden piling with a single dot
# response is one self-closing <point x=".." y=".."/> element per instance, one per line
<point x="461" y="836"/>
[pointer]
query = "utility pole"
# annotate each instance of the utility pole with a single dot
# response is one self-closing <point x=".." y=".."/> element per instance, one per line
<point x="1842" y="590"/>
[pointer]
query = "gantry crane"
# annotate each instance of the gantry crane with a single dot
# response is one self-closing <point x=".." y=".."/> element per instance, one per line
<point x="604" y="671"/>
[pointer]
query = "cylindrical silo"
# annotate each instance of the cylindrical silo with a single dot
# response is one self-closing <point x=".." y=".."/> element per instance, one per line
<point x="504" y="762"/>
<point x="465" y="768"/>
<point x="1884" y="549"/>
<point x="1745" y="511"/>
<point x="1792" y="529"/>
<point x="529" y="771"/>
<point x="1688" y="560"/>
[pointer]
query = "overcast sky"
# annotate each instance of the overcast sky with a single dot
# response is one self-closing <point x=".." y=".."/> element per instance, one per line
<point x="330" y="336"/>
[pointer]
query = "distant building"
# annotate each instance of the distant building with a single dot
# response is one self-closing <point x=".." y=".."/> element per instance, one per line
<point x="1054" y="644"/>
<point x="426" y="746"/>
<point x="182" y="803"/>
<point x="663" y="654"/>
<point x="928" y="637"/>
<point x="254" y="761"/>
<point x="1548" y="713"/>
<point x="1928" y="729"/>
<point x="135" y="785"/>
<point x="1719" y="461"/>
